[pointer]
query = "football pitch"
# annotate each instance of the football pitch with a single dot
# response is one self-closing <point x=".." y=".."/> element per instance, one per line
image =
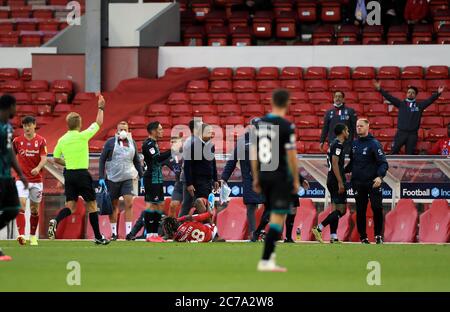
<point x="141" y="266"/>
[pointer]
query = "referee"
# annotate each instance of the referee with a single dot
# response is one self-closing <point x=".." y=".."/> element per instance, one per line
<point x="78" y="182"/>
<point x="368" y="166"/>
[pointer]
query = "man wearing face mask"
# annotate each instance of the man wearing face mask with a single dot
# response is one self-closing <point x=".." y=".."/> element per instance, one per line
<point x="409" y="116"/>
<point x="339" y="114"/>
<point x="121" y="164"/>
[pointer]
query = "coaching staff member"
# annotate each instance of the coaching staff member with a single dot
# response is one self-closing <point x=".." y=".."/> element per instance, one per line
<point x="368" y="166"/>
<point x="409" y="116"/>
<point x="339" y="114"/>
<point x="78" y="182"/>
<point x="241" y="154"/>
<point x="200" y="170"/>
<point x="120" y="163"/>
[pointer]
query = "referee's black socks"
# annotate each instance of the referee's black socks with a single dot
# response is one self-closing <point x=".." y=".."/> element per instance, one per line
<point x="93" y="220"/>
<point x="63" y="213"/>
<point x="271" y="238"/>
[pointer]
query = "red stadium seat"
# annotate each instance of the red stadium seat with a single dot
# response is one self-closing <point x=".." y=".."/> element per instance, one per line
<point x="351" y="97"/>
<point x="36" y="86"/>
<point x="436" y="134"/>
<point x="180" y="110"/>
<point x="423" y="147"/>
<point x="138" y="207"/>
<point x="262" y="24"/>
<point x="231" y="222"/>
<point x="339" y="72"/>
<point x="301" y="109"/>
<point x="9" y="39"/>
<point x="221" y="73"/>
<point x="307" y="11"/>
<point x="316" y="85"/>
<point x="241" y="36"/>
<point x="61" y="98"/>
<point x="244" y="86"/>
<point x="391" y="85"/>
<point x="310" y="134"/>
<point x="31" y="40"/>
<point x="201" y="8"/>
<point x="280" y="6"/>
<point x="248" y="98"/>
<point x="267" y="85"/>
<point x="444" y="110"/>
<point x="354" y="237"/>
<point x="212" y="120"/>
<point x="82" y="97"/>
<point x="217" y="36"/>
<point x="203" y="110"/>
<point x="234" y="120"/>
<point x="25" y="26"/>
<point x="49" y="25"/>
<point x="62" y="86"/>
<point x="397" y="34"/>
<point x="309" y="121"/>
<point x="382" y="122"/>
<point x="244" y="73"/>
<point x="433" y="85"/>
<point x="320" y="97"/>
<point x="344" y="228"/>
<point x="238" y="19"/>
<point x="22" y="98"/>
<point x="293" y="85"/>
<point x="136" y="122"/>
<point x="435" y="223"/>
<point x="387" y="134"/>
<point x="194" y="36"/>
<point x="443" y="35"/>
<point x="43" y="14"/>
<point x="305" y="218"/>
<point x="422" y="34"/>
<point x="12" y="86"/>
<point x="73" y="226"/>
<point x="155" y="110"/>
<point x="401" y="222"/>
<point x="26" y="74"/>
<point x="340" y="85"/>
<point x="348" y="34"/>
<point x="320" y="109"/>
<point x="299" y="97"/>
<point x="432" y="122"/>
<point x="20" y="12"/>
<point x="418" y="83"/>
<point x="181" y="120"/>
<point x="139" y="134"/>
<point x="165" y="121"/>
<point x="62" y="109"/>
<point x="389" y="72"/>
<point x="44" y="98"/>
<point x="197" y="86"/>
<point x="267" y="73"/>
<point x="215" y="19"/>
<point x="201" y="98"/>
<point x="316" y="72"/>
<point x="372" y="34"/>
<point x="331" y="11"/>
<point x="359" y="108"/>
<point x="253" y="110"/>
<point x="363" y="86"/>
<point x="26" y="110"/>
<point x="364" y="72"/>
<point x="266" y="98"/>
<point x="224" y="98"/>
<point x="105" y="227"/>
<point x="178" y="98"/>
<point x="412" y="72"/>
<point x="291" y="73"/>
<point x="286" y="25"/>
<point x="437" y="72"/>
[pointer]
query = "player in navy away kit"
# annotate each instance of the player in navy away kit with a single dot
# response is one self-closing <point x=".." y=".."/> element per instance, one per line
<point x="335" y="184"/>
<point x="274" y="169"/>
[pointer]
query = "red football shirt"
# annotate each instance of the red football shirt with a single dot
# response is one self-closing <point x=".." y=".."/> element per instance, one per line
<point x="29" y="154"/>
<point x="194" y="231"/>
<point x="441" y="147"/>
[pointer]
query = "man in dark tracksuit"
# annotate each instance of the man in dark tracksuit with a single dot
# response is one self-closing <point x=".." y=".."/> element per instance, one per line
<point x="339" y="114"/>
<point x="409" y="116"/>
<point x="368" y="166"/>
<point x="241" y="155"/>
<point x="200" y="171"/>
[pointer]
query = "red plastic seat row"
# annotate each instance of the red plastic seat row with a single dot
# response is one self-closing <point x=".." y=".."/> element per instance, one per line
<point x="58" y="86"/>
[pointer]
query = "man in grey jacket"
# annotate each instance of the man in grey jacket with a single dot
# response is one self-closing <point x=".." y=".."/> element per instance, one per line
<point x="120" y="163"/>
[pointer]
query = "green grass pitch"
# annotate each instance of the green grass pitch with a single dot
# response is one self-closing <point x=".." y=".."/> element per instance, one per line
<point x="140" y="266"/>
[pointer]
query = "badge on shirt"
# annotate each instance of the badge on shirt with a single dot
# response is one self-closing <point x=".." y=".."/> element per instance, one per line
<point x="152" y="151"/>
<point x="338" y="151"/>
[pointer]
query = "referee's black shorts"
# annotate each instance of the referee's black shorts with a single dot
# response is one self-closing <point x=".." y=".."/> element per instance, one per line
<point x="79" y="183"/>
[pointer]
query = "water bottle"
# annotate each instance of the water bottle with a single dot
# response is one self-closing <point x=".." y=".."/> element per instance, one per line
<point x="211" y="199"/>
<point x="298" y="233"/>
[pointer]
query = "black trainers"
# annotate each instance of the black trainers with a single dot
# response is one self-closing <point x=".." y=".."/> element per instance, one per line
<point x="130" y="237"/>
<point x="379" y="239"/>
<point x="289" y="240"/>
<point x="101" y="241"/>
<point x="365" y="241"/>
<point x="113" y="237"/>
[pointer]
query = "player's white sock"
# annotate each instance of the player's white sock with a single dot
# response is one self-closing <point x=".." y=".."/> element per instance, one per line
<point x="320" y="226"/>
<point x="114" y="228"/>
<point x="334" y="236"/>
<point x="128" y="226"/>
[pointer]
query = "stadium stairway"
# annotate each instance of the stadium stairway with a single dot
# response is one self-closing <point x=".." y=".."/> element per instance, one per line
<point x="131" y="98"/>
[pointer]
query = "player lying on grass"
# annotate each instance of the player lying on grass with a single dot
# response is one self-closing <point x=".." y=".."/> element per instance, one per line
<point x="192" y="228"/>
